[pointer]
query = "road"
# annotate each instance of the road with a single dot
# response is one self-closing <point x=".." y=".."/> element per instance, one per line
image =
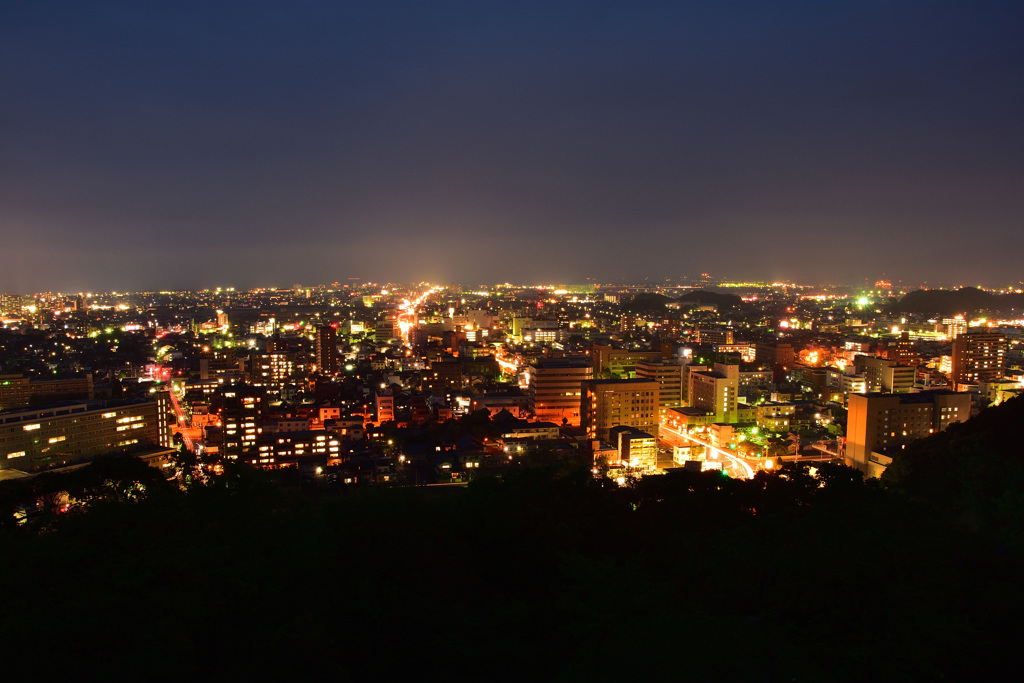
<point x="184" y="426"/>
<point x="735" y="465"/>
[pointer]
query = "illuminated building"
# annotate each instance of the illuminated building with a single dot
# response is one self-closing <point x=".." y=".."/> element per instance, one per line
<point x="276" y="425"/>
<point x="753" y="378"/>
<point x="746" y="350"/>
<point x="635" y="448"/>
<point x="69" y="432"/>
<point x="10" y="305"/>
<point x="880" y="425"/>
<point x="902" y="350"/>
<point x="387" y="329"/>
<point x="443" y="375"/>
<point x="775" y="354"/>
<point x="385" y="401"/>
<point x="288" y="449"/>
<point x="516" y="405"/>
<point x="713" y="335"/>
<point x="686" y="418"/>
<point x="688" y="371"/>
<point x="165" y="417"/>
<point x="241" y="419"/>
<point x="272" y="371"/>
<point x="844" y="383"/>
<point x="955" y="326"/>
<point x="978" y="357"/>
<point x="807" y="375"/>
<point x="997" y="391"/>
<point x="620" y="362"/>
<point x="17" y="391"/>
<point x="607" y="403"/>
<point x="775" y="416"/>
<point x="716" y="391"/>
<point x="536" y="330"/>
<point x="884" y="375"/>
<point x="555" y="388"/>
<point x="669" y="375"/>
<point x="327" y="350"/>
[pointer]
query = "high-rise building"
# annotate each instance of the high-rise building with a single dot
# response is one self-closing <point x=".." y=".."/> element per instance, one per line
<point x="607" y="403"/>
<point x="880" y="425"/>
<point x="555" y="387"/>
<point x="241" y="419"/>
<point x="716" y="391"/>
<point x="272" y="371"/>
<point x="327" y="350"/>
<point x="978" y="357"/>
<point x="669" y="375"/>
<point x="884" y="375"/>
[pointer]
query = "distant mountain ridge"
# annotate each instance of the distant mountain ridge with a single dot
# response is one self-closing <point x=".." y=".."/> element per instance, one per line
<point x="650" y="302"/>
<point x="966" y="300"/>
<point x="706" y="297"/>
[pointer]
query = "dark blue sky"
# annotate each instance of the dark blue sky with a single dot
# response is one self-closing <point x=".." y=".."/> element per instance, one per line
<point x="179" y="144"/>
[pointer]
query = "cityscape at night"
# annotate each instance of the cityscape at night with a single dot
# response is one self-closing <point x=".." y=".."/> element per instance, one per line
<point x="506" y="341"/>
<point x="674" y="417"/>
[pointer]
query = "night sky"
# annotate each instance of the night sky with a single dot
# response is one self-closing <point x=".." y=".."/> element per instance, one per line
<point x="199" y="144"/>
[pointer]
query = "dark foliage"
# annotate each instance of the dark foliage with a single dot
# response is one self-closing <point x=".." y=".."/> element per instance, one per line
<point x="972" y="474"/>
<point x="543" y="574"/>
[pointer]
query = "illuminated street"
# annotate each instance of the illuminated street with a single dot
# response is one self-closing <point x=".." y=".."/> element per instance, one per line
<point x="735" y="465"/>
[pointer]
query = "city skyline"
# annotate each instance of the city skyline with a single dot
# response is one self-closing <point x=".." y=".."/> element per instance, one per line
<point x="190" y="146"/>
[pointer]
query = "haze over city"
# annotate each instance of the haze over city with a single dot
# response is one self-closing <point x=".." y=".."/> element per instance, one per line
<point x="192" y="145"/>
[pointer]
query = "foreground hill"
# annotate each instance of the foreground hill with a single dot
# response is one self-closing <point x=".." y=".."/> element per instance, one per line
<point x="547" y="574"/>
<point x="971" y="474"/>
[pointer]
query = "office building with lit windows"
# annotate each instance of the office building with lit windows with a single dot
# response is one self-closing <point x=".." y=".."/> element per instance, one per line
<point x="608" y="403"/>
<point x="241" y="415"/>
<point x="886" y="376"/>
<point x="880" y="425"/>
<point x="555" y="387"/>
<point x="327" y="350"/>
<point x="716" y="391"/>
<point x="669" y="375"/>
<point x="620" y="363"/>
<point x="61" y="434"/>
<point x="17" y="391"/>
<point x="978" y="356"/>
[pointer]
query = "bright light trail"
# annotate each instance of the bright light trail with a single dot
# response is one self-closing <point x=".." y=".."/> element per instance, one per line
<point x="715" y="449"/>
